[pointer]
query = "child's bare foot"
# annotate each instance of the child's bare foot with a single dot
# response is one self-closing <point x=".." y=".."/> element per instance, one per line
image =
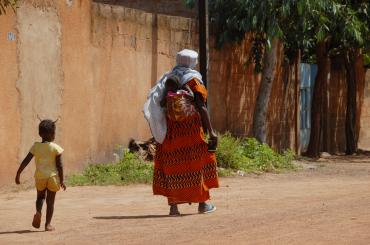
<point x="36" y="220"/>
<point x="49" y="228"/>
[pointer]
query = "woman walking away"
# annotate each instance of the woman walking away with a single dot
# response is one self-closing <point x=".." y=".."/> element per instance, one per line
<point x="185" y="164"/>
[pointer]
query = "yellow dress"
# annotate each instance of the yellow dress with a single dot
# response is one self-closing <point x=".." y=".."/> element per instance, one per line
<point x="46" y="174"/>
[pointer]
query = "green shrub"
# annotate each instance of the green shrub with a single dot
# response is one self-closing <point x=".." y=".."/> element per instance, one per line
<point x="130" y="170"/>
<point x="233" y="155"/>
<point x="230" y="152"/>
<point x="251" y="156"/>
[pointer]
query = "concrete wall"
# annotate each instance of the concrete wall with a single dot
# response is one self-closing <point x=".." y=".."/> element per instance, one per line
<point x="88" y="63"/>
<point x="10" y="122"/>
<point x="40" y="79"/>
<point x="364" y="140"/>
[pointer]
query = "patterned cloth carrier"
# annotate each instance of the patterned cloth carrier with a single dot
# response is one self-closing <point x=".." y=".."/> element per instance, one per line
<point x="180" y="105"/>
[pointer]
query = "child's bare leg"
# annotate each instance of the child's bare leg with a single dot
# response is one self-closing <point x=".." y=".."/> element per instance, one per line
<point x="40" y="200"/>
<point x="50" y="199"/>
<point x="39" y="203"/>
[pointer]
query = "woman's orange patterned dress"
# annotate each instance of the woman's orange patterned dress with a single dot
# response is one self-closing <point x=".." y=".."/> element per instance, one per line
<point x="184" y="170"/>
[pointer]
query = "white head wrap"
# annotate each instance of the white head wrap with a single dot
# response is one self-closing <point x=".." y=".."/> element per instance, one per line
<point x="186" y="60"/>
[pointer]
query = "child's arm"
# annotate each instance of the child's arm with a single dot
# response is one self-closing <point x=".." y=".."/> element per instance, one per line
<point x="23" y="165"/>
<point x="60" y="171"/>
<point x="206" y="122"/>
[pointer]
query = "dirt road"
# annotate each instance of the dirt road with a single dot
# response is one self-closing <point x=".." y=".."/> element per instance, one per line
<point x="327" y="203"/>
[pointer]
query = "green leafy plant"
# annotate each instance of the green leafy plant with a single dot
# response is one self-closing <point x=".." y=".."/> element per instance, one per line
<point x="130" y="170"/>
<point x="230" y="152"/>
<point x="190" y="3"/>
<point x="367" y="60"/>
<point x="250" y="156"/>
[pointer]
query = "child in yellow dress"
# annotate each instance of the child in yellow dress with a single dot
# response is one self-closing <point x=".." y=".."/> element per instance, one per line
<point x="49" y="172"/>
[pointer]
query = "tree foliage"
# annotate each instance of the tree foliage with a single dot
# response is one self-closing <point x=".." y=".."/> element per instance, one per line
<point x="346" y="25"/>
<point x="4" y="4"/>
<point x="367" y="60"/>
<point x="300" y="24"/>
<point x="291" y="21"/>
<point x="265" y="19"/>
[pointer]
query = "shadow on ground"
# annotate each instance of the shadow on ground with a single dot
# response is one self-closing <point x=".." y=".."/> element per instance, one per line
<point x="18" y="232"/>
<point x="139" y="217"/>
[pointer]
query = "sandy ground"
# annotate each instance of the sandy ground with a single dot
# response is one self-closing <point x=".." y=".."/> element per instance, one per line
<point x="326" y="203"/>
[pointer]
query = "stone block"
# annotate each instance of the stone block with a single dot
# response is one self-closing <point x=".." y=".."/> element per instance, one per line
<point x="129" y="14"/>
<point x="149" y="18"/>
<point x="105" y="10"/>
<point x="141" y="17"/>
<point x="163" y="22"/>
<point x="118" y="12"/>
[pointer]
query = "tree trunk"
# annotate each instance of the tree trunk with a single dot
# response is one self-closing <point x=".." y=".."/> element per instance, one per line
<point x="318" y="100"/>
<point x="268" y="76"/>
<point x="351" y="137"/>
<point x="360" y="76"/>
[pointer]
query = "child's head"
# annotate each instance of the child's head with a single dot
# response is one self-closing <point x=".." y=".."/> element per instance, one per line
<point x="47" y="130"/>
<point x="172" y="84"/>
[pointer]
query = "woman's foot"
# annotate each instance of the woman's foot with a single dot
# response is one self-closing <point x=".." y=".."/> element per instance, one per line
<point x="174" y="210"/>
<point x="205" y="208"/>
<point x="36" y="220"/>
<point x="49" y="228"/>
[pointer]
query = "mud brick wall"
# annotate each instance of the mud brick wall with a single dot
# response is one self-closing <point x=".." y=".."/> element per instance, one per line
<point x="364" y="139"/>
<point x="335" y="115"/>
<point x="173" y="7"/>
<point x="335" y="140"/>
<point x="233" y="91"/>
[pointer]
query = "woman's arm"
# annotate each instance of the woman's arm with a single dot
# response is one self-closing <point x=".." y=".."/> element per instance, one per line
<point x="59" y="164"/>
<point x="23" y="165"/>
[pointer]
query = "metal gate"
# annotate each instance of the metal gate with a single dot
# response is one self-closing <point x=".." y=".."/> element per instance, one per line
<point x="308" y="76"/>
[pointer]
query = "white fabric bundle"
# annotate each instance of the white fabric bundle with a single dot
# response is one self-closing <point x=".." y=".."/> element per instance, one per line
<point x="153" y="112"/>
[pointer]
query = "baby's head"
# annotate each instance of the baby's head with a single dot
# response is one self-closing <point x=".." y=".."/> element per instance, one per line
<point x="47" y="130"/>
<point x="172" y="84"/>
